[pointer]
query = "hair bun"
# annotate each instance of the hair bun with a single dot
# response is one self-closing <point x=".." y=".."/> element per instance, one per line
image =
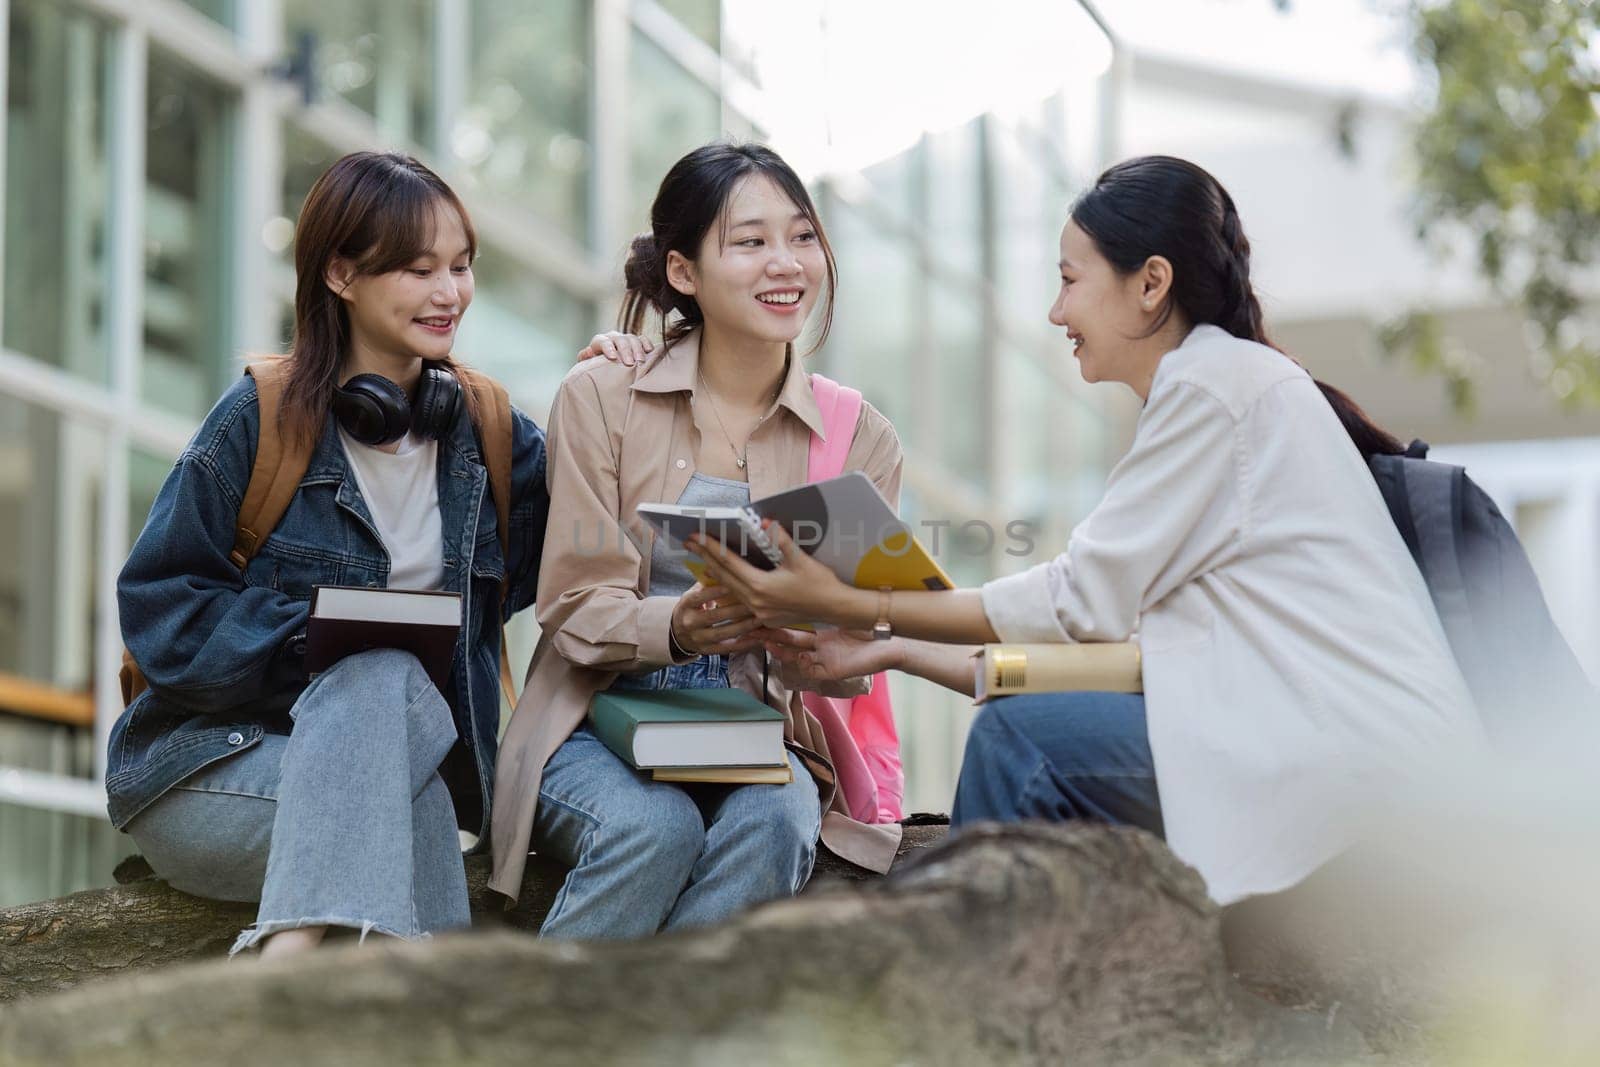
<point x="640" y="272"/>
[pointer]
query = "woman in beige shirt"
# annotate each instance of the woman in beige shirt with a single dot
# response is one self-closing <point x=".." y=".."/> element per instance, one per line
<point x="1295" y="671"/>
<point x="735" y="264"/>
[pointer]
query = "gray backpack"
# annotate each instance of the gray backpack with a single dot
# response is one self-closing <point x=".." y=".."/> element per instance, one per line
<point x="1518" y="666"/>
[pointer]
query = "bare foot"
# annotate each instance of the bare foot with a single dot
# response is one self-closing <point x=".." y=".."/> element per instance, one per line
<point x="291" y="942"/>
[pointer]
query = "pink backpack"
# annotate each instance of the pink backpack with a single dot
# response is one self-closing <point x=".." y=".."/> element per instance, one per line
<point x="861" y="735"/>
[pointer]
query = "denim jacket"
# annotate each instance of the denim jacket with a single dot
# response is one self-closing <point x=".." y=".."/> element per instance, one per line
<point x="223" y="651"/>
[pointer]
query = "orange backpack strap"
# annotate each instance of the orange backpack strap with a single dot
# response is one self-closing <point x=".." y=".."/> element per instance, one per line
<point x="495" y="430"/>
<point x="494" y="437"/>
<point x="131" y="678"/>
<point x="279" y="465"/>
<point x="273" y="481"/>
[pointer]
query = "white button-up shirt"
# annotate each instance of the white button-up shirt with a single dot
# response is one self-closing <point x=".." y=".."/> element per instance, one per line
<point x="1295" y="670"/>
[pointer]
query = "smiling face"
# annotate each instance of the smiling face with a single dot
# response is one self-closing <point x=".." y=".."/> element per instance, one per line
<point x="412" y="312"/>
<point x="1104" y="313"/>
<point x="758" y="280"/>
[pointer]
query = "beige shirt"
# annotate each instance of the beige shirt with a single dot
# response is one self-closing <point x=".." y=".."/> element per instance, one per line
<point x="1295" y="672"/>
<point x="619" y="437"/>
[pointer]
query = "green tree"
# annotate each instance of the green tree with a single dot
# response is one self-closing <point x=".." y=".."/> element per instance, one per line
<point x="1508" y="151"/>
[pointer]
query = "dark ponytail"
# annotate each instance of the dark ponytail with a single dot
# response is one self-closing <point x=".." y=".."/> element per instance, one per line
<point x="691" y="200"/>
<point x="644" y="279"/>
<point x="1163" y="206"/>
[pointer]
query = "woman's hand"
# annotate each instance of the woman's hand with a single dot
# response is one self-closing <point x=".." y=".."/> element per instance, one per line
<point x="708" y="620"/>
<point x="798" y="590"/>
<point x="834" y="655"/>
<point x="624" y="348"/>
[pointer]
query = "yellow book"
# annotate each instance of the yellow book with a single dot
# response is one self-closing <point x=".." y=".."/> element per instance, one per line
<point x="1003" y="670"/>
<point x="726" y="775"/>
<point x="844" y="523"/>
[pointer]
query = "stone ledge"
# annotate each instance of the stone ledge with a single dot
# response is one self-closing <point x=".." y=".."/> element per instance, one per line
<point x="54" y="945"/>
<point x="1011" y="944"/>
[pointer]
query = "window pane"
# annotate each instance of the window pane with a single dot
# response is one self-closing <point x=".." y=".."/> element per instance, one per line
<point x="146" y="473"/>
<point x="958" y="381"/>
<point x="525" y="130"/>
<point x="304" y="159"/>
<point x="898" y="184"/>
<point x="1053" y="450"/>
<point x="703" y="18"/>
<point x="49" y="476"/>
<point x="876" y="330"/>
<point x="737" y="127"/>
<point x="185" y="299"/>
<point x="968" y="546"/>
<point x="959" y="542"/>
<point x="1030" y="209"/>
<point x="219" y="10"/>
<point x="376" y="55"/>
<point x="57" y="188"/>
<point x="670" y="113"/>
<point x="955" y="197"/>
<point x="46" y="854"/>
<point x="522" y="330"/>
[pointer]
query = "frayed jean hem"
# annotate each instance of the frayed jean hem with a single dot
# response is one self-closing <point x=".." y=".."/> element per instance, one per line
<point x="255" y="933"/>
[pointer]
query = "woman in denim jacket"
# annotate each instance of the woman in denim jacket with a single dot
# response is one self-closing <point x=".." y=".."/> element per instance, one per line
<point x="334" y="803"/>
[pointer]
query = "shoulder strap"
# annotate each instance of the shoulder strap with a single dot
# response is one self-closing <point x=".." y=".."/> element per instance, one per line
<point x="1390" y="474"/>
<point x="1434" y="492"/>
<point x="841" y="408"/>
<point x="278" y="468"/>
<point x="494" y="437"/>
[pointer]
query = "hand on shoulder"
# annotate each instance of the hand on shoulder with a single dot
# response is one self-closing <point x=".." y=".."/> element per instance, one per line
<point x="629" y="349"/>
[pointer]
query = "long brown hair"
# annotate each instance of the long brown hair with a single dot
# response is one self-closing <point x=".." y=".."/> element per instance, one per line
<point x="376" y="210"/>
<point x="694" y="197"/>
<point x="1163" y="206"/>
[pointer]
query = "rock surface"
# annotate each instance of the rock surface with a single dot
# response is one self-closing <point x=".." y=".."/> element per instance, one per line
<point x="1017" y="944"/>
<point x="54" y="945"/>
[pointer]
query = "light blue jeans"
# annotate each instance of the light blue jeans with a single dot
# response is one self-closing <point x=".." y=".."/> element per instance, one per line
<point x="648" y="856"/>
<point x="344" y="822"/>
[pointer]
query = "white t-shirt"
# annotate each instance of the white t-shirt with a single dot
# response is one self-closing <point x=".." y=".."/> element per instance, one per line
<point x="402" y="492"/>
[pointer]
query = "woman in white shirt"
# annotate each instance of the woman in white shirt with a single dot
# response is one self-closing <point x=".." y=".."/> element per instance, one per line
<point x="1294" y="668"/>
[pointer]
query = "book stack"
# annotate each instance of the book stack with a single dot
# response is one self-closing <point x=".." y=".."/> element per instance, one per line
<point x="845" y="524"/>
<point x="693" y="735"/>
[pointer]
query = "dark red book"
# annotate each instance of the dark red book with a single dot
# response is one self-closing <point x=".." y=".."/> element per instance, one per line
<point x="349" y="619"/>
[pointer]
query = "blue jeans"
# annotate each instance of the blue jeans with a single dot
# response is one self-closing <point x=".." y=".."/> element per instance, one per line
<point x="649" y="856"/>
<point x="1059" y="756"/>
<point x="344" y="822"/>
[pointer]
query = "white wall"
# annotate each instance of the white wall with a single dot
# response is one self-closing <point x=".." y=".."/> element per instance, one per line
<point x="1550" y="492"/>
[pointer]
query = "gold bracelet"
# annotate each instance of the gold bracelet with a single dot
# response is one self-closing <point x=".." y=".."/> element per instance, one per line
<point x="881" y="630"/>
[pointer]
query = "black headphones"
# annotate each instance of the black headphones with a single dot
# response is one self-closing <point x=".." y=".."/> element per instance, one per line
<point x="375" y="411"/>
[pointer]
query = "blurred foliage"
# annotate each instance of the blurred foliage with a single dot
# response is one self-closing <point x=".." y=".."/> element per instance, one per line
<point x="1419" y="337"/>
<point x="1506" y="153"/>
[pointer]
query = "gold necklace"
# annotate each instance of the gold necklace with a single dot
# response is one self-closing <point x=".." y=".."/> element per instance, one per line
<point x="738" y="456"/>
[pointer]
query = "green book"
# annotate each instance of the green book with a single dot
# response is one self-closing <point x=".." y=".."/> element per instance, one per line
<point x="689" y="728"/>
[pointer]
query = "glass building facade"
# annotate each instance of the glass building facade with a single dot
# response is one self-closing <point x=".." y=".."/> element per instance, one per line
<point x="154" y="161"/>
